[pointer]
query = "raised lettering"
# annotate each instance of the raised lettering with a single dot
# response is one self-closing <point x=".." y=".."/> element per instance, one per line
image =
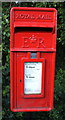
<point x="28" y="16"/>
<point x="26" y="42"/>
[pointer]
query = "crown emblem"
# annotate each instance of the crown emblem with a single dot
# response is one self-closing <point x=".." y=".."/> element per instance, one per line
<point x="33" y="38"/>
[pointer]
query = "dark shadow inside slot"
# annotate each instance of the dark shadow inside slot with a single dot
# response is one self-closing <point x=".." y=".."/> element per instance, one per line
<point x="20" y="29"/>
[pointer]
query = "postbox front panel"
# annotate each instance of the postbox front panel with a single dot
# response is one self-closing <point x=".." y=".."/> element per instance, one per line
<point x="33" y="37"/>
<point x="32" y="58"/>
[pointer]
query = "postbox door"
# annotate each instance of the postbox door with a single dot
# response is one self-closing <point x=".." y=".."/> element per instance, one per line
<point x="30" y="78"/>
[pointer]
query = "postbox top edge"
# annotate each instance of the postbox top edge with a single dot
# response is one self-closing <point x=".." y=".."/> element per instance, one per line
<point x="33" y="8"/>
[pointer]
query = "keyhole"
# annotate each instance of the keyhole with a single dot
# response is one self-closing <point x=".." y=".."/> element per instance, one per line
<point x="20" y="80"/>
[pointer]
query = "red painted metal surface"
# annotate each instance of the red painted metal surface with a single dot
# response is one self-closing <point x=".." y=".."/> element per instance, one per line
<point x="32" y="30"/>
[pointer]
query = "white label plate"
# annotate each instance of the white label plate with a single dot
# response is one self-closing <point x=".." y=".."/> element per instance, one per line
<point x="32" y="77"/>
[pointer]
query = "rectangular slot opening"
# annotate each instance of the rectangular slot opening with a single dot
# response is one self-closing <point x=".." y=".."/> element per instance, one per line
<point x="18" y="29"/>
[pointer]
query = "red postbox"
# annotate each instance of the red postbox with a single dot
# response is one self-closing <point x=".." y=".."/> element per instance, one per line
<point x="32" y="58"/>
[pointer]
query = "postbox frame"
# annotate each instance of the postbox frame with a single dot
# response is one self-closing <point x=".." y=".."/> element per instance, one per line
<point x="13" y="50"/>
